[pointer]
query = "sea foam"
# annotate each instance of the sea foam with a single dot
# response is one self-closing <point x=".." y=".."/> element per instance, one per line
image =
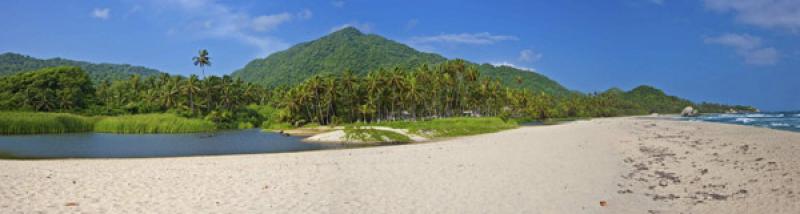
<point x="779" y="124"/>
<point x="763" y="115"/>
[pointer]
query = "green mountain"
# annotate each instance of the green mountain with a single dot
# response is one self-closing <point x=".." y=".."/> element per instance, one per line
<point x="654" y="100"/>
<point x="13" y="63"/>
<point x="350" y="49"/>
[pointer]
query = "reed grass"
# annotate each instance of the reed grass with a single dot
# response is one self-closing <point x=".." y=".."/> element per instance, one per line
<point x="152" y="123"/>
<point x="43" y="123"/>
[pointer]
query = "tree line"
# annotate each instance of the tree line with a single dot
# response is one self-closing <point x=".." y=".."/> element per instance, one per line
<point x="450" y="89"/>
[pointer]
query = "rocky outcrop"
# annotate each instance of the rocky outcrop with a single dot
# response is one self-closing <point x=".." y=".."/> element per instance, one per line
<point x="689" y="111"/>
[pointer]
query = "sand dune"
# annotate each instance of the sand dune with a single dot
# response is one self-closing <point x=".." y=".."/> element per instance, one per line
<point x="636" y="165"/>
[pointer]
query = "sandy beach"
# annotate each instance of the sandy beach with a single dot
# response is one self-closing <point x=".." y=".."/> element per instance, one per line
<point x="634" y="164"/>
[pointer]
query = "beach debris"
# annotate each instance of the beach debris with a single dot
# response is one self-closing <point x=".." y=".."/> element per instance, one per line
<point x="627" y="191"/>
<point x="714" y="196"/>
<point x="71" y="204"/>
<point x="603" y="203"/>
<point x="744" y="148"/>
<point x="663" y="183"/>
<point x="657" y="197"/>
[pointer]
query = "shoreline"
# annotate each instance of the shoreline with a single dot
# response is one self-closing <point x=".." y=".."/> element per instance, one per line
<point x="635" y="164"/>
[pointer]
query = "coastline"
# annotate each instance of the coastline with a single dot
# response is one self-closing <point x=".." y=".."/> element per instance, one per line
<point x="635" y="164"/>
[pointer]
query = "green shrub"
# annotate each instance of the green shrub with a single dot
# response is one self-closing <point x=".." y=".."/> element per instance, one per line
<point x="152" y="123"/>
<point x="40" y="123"/>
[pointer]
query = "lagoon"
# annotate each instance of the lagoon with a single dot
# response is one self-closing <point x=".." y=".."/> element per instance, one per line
<point x="104" y="145"/>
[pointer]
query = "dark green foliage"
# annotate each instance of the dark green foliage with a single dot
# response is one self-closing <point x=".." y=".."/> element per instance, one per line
<point x="706" y="107"/>
<point x="654" y="100"/>
<point x="12" y="63"/>
<point x="521" y="79"/>
<point x="48" y="89"/>
<point x="221" y="100"/>
<point x="349" y="49"/>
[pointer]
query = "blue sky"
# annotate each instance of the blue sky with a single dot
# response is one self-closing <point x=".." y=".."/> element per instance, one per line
<point x="731" y="51"/>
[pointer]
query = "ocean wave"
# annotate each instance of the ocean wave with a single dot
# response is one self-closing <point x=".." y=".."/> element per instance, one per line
<point x="727" y="115"/>
<point x="779" y="124"/>
<point x="744" y="120"/>
<point x="763" y="115"/>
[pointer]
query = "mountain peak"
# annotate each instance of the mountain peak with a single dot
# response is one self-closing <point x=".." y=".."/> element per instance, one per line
<point x="350" y="49"/>
<point x="349" y="31"/>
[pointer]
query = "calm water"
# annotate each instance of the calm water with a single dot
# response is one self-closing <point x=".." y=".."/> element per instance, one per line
<point x="98" y="145"/>
<point x="776" y="120"/>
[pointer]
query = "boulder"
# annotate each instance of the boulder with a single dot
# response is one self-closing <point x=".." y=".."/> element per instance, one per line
<point x="688" y="111"/>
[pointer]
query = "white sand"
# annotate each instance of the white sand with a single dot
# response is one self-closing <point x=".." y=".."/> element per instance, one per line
<point x="555" y="169"/>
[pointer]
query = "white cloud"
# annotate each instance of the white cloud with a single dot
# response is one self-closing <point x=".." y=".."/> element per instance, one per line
<point x="507" y="64"/>
<point x="484" y="38"/>
<point x="763" y="13"/>
<point x="269" y="22"/>
<point x="363" y="27"/>
<point x="101" y="13"/>
<point x="211" y="19"/>
<point x="528" y="55"/>
<point x="338" y="4"/>
<point x="748" y="47"/>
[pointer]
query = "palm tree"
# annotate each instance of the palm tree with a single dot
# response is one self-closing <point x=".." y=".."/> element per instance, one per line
<point x="202" y="60"/>
<point x="191" y="88"/>
<point x="412" y="94"/>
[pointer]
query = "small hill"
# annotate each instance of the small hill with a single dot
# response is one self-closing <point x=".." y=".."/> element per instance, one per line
<point x="655" y="100"/>
<point x="351" y="49"/>
<point x="13" y="63"/>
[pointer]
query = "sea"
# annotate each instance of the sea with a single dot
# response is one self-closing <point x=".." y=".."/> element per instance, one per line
<point x="789" y="121"/>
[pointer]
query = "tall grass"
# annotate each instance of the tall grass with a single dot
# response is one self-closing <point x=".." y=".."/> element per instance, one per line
<point x="41" y="123"/>
<point x="152" y="123"/>
<point x="451" y="127"/>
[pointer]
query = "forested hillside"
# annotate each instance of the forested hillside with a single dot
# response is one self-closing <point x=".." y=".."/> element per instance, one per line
<point x="349" y="49"/>
<point x="12" y="63"/>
